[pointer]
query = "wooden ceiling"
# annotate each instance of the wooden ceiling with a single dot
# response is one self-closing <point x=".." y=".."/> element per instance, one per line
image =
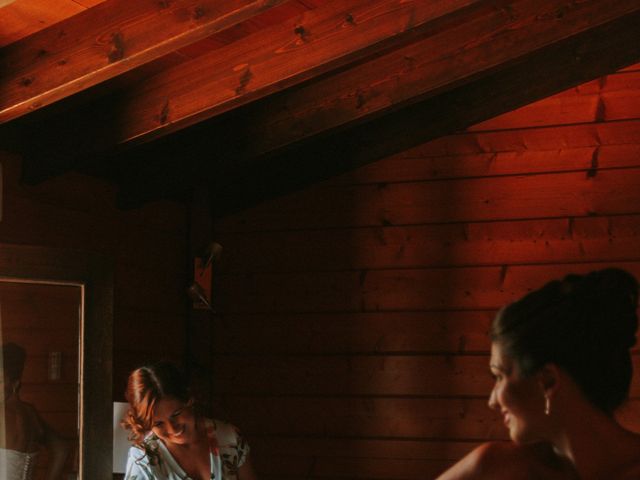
<point x="21" y="18"/>
<point x="252" y="98"/>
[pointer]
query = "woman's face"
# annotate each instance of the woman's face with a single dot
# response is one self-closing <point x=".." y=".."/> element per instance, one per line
<point x="173" y="421"/>
<point x="519" y="399"/>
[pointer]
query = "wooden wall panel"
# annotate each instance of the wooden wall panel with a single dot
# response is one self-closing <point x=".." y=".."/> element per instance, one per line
<point x="350" y="340"/>
<point x="148" y="247"/>
<point x="416" y="165"/>
<point x="415" y="374"/>
<point x="364" y="333"/>
<point x="578" y="194"/>
<point x="421" y="289"/>
<point x="560" y="240"/>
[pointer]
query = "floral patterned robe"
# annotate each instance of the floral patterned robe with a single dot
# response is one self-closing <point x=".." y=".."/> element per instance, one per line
<point x="153" y="461"/>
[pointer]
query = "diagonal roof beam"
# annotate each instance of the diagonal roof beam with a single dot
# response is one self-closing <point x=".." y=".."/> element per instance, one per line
<point x="484" y="43"/>
<point x="105" y="41"/>
<point x="538" y="75"/>
<point x="336" y="33"/>
<point x="481" y="67"/>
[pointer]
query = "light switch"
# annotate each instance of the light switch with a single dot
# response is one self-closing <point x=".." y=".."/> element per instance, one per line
<point x="55" y="366"/>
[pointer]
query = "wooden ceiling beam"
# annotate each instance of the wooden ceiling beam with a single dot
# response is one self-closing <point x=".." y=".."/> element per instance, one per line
<point x="496" y="62"/>
<point x="336" y="33"/>
<point x="537" y="76"/>
<point x="474" y="47"/>
<point x="106" y="41"/>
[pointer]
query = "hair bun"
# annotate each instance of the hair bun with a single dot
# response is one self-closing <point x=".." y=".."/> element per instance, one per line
<point x="583" y="323"/>
<point x="612" y="296"/>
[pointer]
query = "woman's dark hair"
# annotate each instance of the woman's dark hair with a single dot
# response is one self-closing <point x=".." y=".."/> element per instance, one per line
<point x="13" y="360"/>
<point x="145" y="387"/>
<point x="585" y="324"/>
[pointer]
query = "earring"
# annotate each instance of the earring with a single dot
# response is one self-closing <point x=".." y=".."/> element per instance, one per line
<point x="547" y="405"/>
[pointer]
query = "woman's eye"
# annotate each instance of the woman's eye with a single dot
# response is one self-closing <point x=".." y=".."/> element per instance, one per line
<point x="157" y="424"/>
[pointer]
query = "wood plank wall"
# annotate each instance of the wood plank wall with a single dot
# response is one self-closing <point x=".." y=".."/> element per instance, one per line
<point x="351" y="340"/>
<point x="148" y="247"/>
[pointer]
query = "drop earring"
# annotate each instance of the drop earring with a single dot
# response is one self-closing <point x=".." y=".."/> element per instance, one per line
<point x="547" y="405"/>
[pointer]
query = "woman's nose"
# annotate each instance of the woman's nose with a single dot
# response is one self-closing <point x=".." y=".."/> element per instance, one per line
<point x="493" y="403"/>
<point x="173" y="426"/>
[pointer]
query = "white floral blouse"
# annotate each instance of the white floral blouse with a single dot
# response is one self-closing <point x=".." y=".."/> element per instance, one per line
<point x="153" y="461"/>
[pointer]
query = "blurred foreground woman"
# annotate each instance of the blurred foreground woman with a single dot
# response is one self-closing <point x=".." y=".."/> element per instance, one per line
<point x="560" y="357"/>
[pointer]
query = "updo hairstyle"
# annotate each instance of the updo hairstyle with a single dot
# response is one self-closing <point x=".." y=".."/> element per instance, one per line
<point x="145" y="387"/>
<point x="585" y="324"/>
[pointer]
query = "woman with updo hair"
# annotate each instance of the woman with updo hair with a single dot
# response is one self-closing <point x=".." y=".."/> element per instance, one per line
<point x="171" y="439"/>
<point x="561" y="360"/>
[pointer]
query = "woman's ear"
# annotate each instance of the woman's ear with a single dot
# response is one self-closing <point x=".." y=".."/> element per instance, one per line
<point x="549" y="379"/>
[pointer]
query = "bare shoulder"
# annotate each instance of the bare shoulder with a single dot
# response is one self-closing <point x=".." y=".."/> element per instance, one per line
<point x="493" y="460"/>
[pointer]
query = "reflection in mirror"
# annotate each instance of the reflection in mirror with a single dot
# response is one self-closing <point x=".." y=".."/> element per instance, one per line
<point x="39" y="334"/>
<point x="66" y="374"/>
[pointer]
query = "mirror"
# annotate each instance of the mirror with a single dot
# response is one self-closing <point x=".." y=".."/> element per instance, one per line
<point x="39" y="334"/>
<point x="56" y="309"/>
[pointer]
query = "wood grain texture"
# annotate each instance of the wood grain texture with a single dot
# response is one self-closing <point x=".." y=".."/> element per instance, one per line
<point x="466" y="200"/>
<point x="414" y="289"/>
<point x="105" y="41"/>
<point x="21" y="18"/>
<point x="415" y="164"/>
<point x="333" y="134"/>
<point x="334" y="34"/>
<point x="359" y="347"/>
<point x="441" y="375"/>
<point x="369" y="417"/>
<point x="354" y="333"/>
<point x="272" y="59"/>
<point x="520" y="140"/>
<point x="417" y="123"/>
<point x="422" y="69"/>
<point x="463" y="244"/>
<point x="424" y="418"/>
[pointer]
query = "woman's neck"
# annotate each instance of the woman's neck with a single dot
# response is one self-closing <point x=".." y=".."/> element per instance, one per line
<point x="596" y="445"/>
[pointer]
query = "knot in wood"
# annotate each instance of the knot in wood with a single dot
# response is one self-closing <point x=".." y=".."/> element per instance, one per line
<point x="117" y="47"/>
<point x="164" y="113"/>
<point x="26" y="81"/>
<point x="198" y="12"/>
<point x="301" y="32"/>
